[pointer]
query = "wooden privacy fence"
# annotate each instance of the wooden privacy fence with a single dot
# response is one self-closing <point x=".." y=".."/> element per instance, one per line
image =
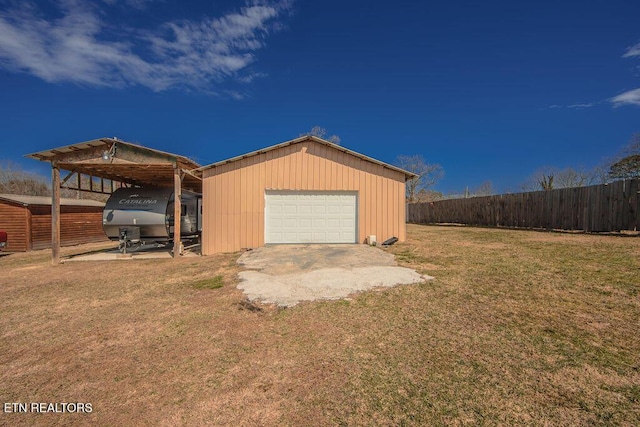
<point x="597" y="208"/>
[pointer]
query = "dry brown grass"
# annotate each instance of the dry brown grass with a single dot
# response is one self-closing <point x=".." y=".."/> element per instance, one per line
<point x="519" y="328"/>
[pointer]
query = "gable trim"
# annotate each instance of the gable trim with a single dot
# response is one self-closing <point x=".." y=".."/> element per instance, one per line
<point x="408" y="175"/>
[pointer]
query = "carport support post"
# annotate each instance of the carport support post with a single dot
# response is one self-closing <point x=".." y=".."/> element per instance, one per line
<point x="55" y="213"/>
<point x="177" y="210"/>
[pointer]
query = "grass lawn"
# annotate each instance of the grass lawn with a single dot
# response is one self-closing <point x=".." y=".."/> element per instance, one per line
<point x="519" y="328"/>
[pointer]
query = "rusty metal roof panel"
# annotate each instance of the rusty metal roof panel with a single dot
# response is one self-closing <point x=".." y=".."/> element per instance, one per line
<point x="49" y="154"/>
<point x="40" y="155"/>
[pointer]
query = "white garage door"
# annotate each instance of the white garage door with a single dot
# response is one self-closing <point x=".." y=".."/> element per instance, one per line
<point x="310" y="217"/>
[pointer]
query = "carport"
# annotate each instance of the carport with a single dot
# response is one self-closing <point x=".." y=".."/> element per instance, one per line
<point x="106" y="164"/>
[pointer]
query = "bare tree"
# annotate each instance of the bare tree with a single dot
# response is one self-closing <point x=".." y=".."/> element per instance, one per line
<point x="633" y="146"/>
<point x="13" y="180"/>
<point x="549" y="178"/>
<point x="321" y="132"/>
<point x="542" y="179"/>
<point x="569" y="178"/>
<point x="485" y="189"/>
<point x="428" y="174"/>
<point x="600" y="173"/>
<point x="428" y="196"/>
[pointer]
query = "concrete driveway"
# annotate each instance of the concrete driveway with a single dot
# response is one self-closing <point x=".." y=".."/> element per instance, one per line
<point x="288" y="274"/>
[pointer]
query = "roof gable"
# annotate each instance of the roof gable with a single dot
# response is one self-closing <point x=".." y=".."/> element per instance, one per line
<point x="407" y="174"/>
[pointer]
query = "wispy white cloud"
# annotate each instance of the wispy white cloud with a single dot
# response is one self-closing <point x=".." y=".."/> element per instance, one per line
<point x="630" y="97"/>
<point x="136" y="4"/>
<point x="81" y="46"/>
<point x="632" y="51"/>
<point x="573" y="106"/>
<point x="579" y="106"/>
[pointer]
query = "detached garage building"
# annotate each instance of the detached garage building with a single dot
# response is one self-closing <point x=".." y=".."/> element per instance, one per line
<point x="27" y="221"/>
<point x="306" y="190"/>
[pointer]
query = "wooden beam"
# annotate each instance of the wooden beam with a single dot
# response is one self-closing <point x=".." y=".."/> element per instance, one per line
<point x="55" y="214"/>
<point x="177" y="210"/>
<point x="71" y="173"/>
<point x="86" y="191"/>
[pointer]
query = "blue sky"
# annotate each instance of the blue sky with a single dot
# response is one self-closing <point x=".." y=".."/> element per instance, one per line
<point x="490" y="90"/>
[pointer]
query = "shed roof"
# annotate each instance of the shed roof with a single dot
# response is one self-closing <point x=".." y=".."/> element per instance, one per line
<point x="408" y="175"/>
<point x="126" y="162"/>
<point x="46" y="201"/>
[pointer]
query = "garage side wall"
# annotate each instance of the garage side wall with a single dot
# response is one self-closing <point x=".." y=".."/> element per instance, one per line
<point x="234" y="193"/>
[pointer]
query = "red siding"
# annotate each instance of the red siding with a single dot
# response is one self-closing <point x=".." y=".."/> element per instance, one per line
<point x="14" y="220"/>
<point x="30" y="227"/>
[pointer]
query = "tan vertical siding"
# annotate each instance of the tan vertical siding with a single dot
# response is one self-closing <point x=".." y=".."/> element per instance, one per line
<point x="244" y="201"/>
<point x="233" y="216"/>
<point x="368" y="205"/>
<point x="362" y="211"/>
<point x="248" y="185"/>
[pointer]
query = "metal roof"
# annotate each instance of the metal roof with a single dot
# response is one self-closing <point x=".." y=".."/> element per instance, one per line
<point x="407" y="174"/>
<point x="44" y="200"/>
<point x="48" y="155"/>
<point x="127" y="163"/>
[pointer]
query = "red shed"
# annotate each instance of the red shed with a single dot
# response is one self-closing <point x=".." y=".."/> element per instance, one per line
<point x="27" y="221"/>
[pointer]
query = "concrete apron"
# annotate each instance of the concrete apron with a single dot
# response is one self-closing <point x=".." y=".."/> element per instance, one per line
<point x="148" y="252"/>
<point x="289" y="274"/>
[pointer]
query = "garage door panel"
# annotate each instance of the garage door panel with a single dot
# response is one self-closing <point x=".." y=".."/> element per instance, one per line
<point x="275" y="223"/>
<point x="277" y="208"/>
<point x="305" y="236"/>
<point x="333" y="236"/>
<point x="333" y="209"/>
<point x="304" y="223"/>
<point x="305" y="209"/>
<point x="346" y="222"/>
<point x="349" y="210"/>
<point x="319" y="223"/>
<point x="290" y="209"/>
<point x="310" y="217"/>
<point x="319" y="236"/>
<point x="333" y="223"/>
<point x="289" y="237"/>
<point x="276" y="236"/>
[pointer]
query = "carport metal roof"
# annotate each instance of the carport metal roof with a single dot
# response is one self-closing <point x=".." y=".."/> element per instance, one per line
<point x="120" y="161"/>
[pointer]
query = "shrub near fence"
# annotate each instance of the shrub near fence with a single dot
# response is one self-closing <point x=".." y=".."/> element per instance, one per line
<point x="597" y="208"/>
